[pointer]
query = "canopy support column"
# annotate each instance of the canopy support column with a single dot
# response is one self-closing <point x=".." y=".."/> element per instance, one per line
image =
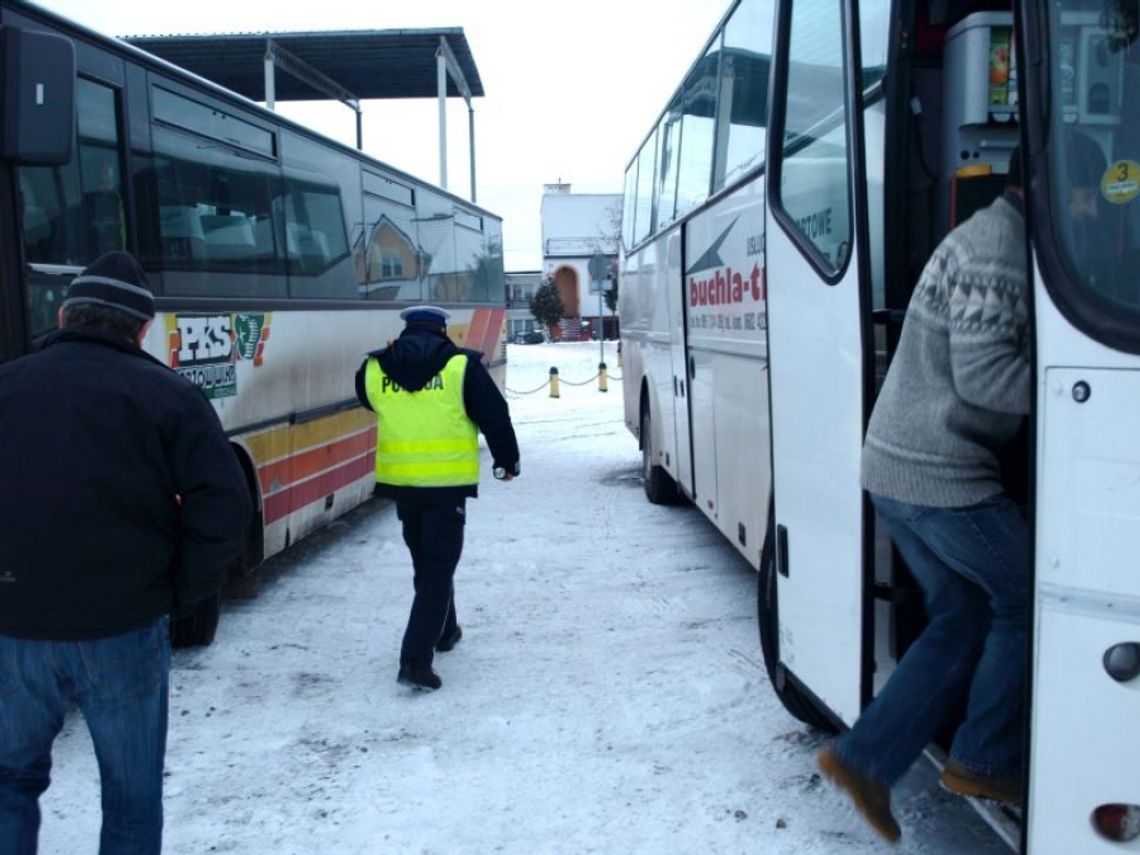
<point x="441" y="89"/>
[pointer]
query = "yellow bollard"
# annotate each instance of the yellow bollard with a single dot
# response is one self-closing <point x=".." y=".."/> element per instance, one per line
<point x="602" y="385"/>
<point x="553" y="382"/>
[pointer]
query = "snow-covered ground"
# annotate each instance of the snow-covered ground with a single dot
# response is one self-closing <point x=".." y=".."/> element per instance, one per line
<point x="608" y="694"/>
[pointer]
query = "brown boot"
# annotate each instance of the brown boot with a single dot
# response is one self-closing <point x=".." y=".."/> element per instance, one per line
<point x="871" y="799"/>
<point x="964" y="781"/>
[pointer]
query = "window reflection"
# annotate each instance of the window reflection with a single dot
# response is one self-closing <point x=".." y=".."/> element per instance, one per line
<point x="216" y="215"/>
<point x="669" y="135"/>
<point x="814" y="189"/>
<point x="874" y="32"/>
<point x="628" y="205"/>
<point x="698" y="124"/>
<point x="643" y="217"/>
<point x="743" y="114"/>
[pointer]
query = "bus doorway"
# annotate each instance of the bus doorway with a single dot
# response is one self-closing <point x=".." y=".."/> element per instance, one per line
<point x="12" y="334"/>
<point x="38" y="122"/>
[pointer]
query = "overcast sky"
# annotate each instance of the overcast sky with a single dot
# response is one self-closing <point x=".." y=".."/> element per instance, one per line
<point x="571" y="87"/>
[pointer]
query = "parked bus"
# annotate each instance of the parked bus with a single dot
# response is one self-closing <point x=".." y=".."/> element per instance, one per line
<point x="278" y="258"/>
<point x="776" y="219"/>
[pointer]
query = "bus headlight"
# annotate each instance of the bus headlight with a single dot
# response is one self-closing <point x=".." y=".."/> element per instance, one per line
<point x="1122" y="661"/>
<point x="1117" y="822"/>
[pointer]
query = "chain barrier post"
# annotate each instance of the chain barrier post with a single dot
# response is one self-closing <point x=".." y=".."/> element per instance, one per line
<point x="603" y="386"/>
<point x="553" y="382"/>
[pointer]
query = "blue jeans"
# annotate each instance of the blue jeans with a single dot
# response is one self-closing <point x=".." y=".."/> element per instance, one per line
<point x="120" y="683"/>
<point x="972" y="564"/>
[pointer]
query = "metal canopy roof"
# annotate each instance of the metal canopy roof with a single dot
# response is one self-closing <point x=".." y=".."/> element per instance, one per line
<point x="368" y="63"/>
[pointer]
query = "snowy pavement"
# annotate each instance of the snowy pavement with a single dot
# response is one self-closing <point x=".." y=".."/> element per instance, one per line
<point x="608" y="694"/>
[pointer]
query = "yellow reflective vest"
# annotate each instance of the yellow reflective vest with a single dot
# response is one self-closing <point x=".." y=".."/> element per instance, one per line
<point x="423" y="438"/>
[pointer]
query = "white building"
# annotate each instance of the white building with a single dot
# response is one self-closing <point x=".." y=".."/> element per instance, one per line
<point x="575" y="226"/>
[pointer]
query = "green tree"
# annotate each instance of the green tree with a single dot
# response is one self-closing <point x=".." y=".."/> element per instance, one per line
<point x="487" y="273"/>
<point x="546" y="304"/>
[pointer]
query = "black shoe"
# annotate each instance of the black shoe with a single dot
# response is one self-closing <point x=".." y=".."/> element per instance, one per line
<point x="419" y="677"/>
<point x="449" y="641"/>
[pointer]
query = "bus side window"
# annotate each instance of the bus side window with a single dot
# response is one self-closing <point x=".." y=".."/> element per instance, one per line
<point x="742" y="113"/>
<point x="698" y="125"/>
<point x="102" y="214"/>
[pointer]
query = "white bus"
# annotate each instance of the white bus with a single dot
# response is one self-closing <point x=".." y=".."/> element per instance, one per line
<point x="278" y="258"/>
<point x="776" y="219"/>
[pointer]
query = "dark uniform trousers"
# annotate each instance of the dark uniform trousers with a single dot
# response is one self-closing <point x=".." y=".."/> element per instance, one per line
<point x="434" y="535"/>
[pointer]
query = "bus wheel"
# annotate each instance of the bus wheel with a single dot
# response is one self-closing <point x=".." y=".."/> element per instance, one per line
<point x="794" y="700"/>
<point x="197" y="629"/>
<point x="660" y="489"/>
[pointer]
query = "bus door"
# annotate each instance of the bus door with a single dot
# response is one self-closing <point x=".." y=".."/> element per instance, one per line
<point x="817" y="279"/>
<point x="38" y="114"/>
<point x="12" y="342"/>
<point x="1082" y="74"/>
<point x="71" y="202"/>
<point x="669" y="265"/>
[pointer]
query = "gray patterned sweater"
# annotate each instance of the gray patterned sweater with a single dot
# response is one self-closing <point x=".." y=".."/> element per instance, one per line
<point x="959" y="383"/>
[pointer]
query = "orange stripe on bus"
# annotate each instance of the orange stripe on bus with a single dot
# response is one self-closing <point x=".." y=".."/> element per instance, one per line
<point x="282" y="441"/>
<point x="316" y="489"/>
<point x="476" y="330"/>
<point x="492" y="333"/>
<point x="281" y="473"/>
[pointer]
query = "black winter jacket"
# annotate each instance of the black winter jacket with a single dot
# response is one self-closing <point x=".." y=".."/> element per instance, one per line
<point x="412" y="360"/>
<point x="97" y="439"/>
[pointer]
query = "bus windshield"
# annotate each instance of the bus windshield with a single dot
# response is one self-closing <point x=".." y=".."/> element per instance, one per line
<point x="1094" y="144"/>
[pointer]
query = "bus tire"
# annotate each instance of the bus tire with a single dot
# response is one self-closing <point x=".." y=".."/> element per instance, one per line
<point x="794" y="700"/>
<point x="197" y="629"/>
<point x="660" y="488"/>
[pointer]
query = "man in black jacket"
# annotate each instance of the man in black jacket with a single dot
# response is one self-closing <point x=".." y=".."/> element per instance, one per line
<point x="124" y="502"/>
<point x="431" y="400"/>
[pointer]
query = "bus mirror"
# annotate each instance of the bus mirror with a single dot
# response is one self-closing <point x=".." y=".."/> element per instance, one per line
<point x="37" y="116"/>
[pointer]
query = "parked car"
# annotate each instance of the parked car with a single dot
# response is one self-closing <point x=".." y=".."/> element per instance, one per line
<point x="532" y="337"/>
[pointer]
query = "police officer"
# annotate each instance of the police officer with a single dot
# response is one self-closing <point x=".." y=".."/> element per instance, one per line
<point x="431" y="399"/>
<point x="125" y="502"/>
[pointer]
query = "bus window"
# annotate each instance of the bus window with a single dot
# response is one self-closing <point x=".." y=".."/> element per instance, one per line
<point x="437" y="241"/>
<point x="478" y="261"/>
<point x="643" y="221"/>
<point x="742" y="115"/>
<point x="874" y="32"/>
<point x="315" y="240"/>
<point x="669" y="136"/>
<point x="697" y="126"/>
<point x="628" y="205"/>
<point x="485" y="270"/>
<point x="322" y="208"/>
<point x="1094" y="153"/>
<point x="814" y="190"/>
<point x="216" y="215"/>
<point x="190" y="115"/>
<point x="391" y="263"/>
<point x="72" y="214"/>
